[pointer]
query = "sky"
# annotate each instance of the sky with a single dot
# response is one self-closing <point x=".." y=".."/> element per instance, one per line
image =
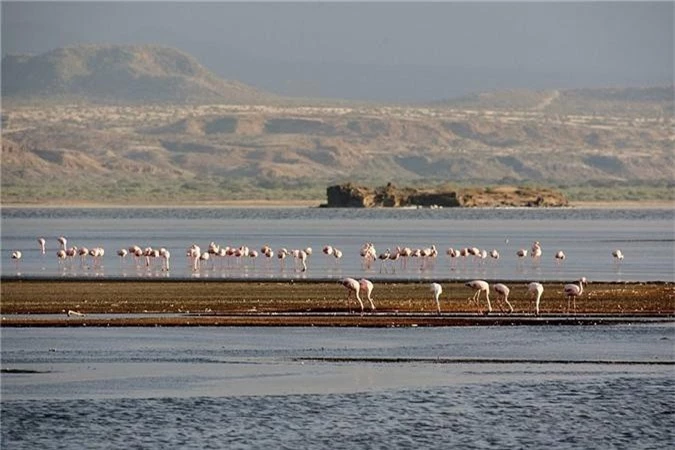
<point x="402" y="51"/>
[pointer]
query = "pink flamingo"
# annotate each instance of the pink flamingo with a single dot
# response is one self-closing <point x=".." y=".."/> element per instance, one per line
<point x="337" y="253"/>
<point x="122" y="253"/>
<point x="282" y="253"/>
<point x="367" y="287"/>
<point x="353" y="287"/>
<point x="572" y="291"/>
<point x="559" y="256"/>
<point x="618" y="255"/>
<point x="61" y="257"/>
<point x="16" y="256"/>
<point x="502" y="293"/>
<point x="383" y="257"/>
<point x="536" y="289"/>
<point x="63" y="241"/>
<point x="166" y="256"/>
<point x="437" y="290"/>
<point x="536" y="250"/>
<point x="301" y="257"/>
<point x="42" y="243"/>
<point x="480" y="286"/>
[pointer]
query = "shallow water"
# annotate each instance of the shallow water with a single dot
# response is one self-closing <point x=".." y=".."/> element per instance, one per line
<point x="588" y="236"/>
<point x="567" y="387"/>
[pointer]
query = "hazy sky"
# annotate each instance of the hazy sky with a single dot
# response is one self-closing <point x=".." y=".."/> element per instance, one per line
<point x="395" y="51"/>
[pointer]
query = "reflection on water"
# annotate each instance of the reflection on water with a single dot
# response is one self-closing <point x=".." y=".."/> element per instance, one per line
<point x="257" y="388"/>
<point x="587" y="236"/>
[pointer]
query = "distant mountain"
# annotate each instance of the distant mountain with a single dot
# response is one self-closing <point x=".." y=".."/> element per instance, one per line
<point x="120" y="74"/>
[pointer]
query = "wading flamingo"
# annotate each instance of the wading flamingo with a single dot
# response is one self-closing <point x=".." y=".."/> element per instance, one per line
<point x="536" y="250"/>
<point x="366" y="286"/>
<point x="535" y="289"/>
<point x="437" y="290"/>
<point x="618" y="255"/>
<point x="42" y="243"/>
<point x="480" y="286"/>
<point x="560" y="256"/>
<point x="16" y="256"/>
<point x="502" y="293"/>
<point x="354" y="287"/>
<point x="572" y="291"/>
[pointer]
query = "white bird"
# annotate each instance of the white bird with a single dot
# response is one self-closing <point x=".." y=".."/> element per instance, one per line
<point x="367" y="287"/>
<point x="618" y="255"/>
<point x="337" y="253"/>
<point x="521" y="253"/>
<point x="574" y="290"/>
<point x="536" y="289"/>
<point x="166" y="257"/>
<point x="536" y="250"/>
<point x="560" y="256"/>
<point x="480" y="286"/>
<point x="16" y="256"/>
<point x="63" y="241"/>
<point x="502" y="293"/>
<point x="42" y="243"/>
<point x="437" y="290"/>
<point x="354" y="287"/>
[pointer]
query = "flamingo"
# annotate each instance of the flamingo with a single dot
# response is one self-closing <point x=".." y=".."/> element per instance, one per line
<point x="502" y="293"/>
<point x="405" y="254"/>
<point x="122" y="253"/>
<point x="16" y="256"/>
<point x="166" y="256"/>
<point x="61" y="255"/>
<point x="63" y="241"/>
<point x="480" y="286"/>
<point x="301" y="257"/>
<point x="282" y="253"/>
<point x="83" y="252"/>
<point x="437" y="290"/>
<point x="494" y="254"/>
<point x="367" y="287"/>
<point x="393" y="257"/>
<point x="574" y="290"/>
<point x="618" y="255"/>
<point x="521" y="253"/>
<point x="383" y="257"/>
<point x="337" y="253"/>
<point x="560" y="256"/>
<point x="42" y="243"/>
<point x="353" y="286"/>
<point x="536" y="289"/>
<point x="536" y="250"/>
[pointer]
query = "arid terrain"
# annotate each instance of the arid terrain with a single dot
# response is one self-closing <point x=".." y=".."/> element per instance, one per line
<point x="232" y="303"/>
<point x="246" y="144"/>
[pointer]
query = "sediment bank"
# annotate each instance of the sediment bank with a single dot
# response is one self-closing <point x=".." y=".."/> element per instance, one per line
<point x="298" y="303"/>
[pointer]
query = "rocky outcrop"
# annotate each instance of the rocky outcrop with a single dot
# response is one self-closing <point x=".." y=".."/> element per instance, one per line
<point x="350" y="195"/>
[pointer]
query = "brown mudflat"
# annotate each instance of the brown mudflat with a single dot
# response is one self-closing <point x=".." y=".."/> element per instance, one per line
<point x="305" y="303"/>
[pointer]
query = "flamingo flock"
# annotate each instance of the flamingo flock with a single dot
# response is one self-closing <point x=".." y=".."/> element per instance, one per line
<point x="219" y="258"/>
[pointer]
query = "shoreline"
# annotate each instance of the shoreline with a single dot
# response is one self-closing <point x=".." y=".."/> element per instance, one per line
<point x="623" y="204"/>
<point x="314" y="303"/>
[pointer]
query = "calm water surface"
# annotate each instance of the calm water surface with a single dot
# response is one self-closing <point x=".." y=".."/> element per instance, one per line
<point x="587" y="236"/>
<point x="518" y="387"/>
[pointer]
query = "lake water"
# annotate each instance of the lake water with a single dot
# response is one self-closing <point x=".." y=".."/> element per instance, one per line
<point x="466" y="387"/>
<point x="587" y="236"/>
